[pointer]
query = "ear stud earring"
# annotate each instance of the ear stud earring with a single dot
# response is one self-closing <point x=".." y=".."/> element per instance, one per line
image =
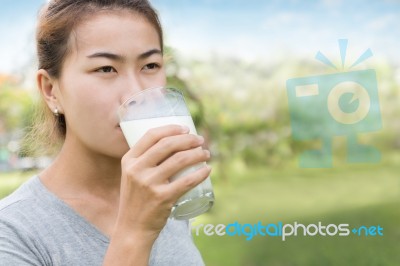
<point x="55" y="112"/>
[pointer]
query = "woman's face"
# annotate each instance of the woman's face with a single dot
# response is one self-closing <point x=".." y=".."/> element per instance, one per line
<point x="113" y="55"/>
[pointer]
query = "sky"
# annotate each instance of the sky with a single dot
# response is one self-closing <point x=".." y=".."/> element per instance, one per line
<point x="254" y="30"/>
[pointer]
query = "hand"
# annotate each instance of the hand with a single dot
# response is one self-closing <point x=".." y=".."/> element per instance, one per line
<point x="147" y="195"/>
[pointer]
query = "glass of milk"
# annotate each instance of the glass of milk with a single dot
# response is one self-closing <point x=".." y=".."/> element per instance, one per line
<point x="157" y="107"/>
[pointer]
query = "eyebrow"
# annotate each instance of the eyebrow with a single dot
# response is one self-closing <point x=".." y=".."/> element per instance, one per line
<point x="116" y="57"/>
<point x="149" y="53"/>
<point x="107" y="55"/>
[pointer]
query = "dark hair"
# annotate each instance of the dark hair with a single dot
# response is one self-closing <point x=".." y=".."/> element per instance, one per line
<point x="56" y="22"/>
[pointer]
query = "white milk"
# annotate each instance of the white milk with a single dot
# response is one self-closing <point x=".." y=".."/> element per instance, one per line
<point x="135" y="129"/>
<point x="198" y="199"/>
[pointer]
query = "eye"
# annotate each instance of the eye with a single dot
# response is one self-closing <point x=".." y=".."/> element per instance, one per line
<point x="106" y="69"/>
<point x="151" y="66"/>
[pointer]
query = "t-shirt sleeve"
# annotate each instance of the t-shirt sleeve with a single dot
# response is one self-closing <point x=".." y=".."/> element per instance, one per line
<point x="16" y="248"/>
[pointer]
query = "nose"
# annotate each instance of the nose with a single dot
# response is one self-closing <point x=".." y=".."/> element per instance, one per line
<point x="134" y="82"/>
<point x="131" y="86"/>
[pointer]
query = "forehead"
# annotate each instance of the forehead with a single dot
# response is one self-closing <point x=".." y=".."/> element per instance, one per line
<point x="119" y="31"/>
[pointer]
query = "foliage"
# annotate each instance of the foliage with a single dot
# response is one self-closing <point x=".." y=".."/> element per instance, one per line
<point x="246" y="112"/>
<point x="15" y="106"/>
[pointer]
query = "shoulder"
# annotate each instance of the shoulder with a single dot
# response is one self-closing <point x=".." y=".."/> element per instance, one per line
<point x="18" y="242"/>
<point x="20" y="196"/>
<point x="27" y="209"/>
<point x="22" y="213"/>
<point x="20" y="201"/>
<point x="19" y="211"/>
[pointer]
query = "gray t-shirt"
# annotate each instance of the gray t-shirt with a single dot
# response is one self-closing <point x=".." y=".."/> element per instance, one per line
<point x="37" y="228"/>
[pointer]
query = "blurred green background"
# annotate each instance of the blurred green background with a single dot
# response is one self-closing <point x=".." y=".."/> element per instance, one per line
<point x="234" y="74"/>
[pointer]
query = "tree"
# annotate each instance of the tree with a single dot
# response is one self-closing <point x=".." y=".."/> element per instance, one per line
<point x="16" y="105"/>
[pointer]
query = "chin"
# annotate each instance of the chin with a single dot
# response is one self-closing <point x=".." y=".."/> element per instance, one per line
<point x="121" y="151"/>
<point x="115" y="151"/>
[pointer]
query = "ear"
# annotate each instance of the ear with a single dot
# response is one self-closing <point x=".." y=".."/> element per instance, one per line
<point x="49" y="89"/>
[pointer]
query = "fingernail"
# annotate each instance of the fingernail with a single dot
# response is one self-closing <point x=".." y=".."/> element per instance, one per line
<point x="201" y="139"/>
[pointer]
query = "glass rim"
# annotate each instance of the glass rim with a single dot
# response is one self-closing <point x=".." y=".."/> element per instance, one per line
<point x="149" y="89"/>
<point x="123" y="105"/>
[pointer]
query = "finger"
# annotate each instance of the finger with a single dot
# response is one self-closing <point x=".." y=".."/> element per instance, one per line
<point x="154" y="135"/>
<point x="168" y="146"/>
<point x="185" y="183"/>
<point x="178" y="163"/>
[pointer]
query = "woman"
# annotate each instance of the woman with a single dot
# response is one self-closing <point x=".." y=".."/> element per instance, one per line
<point x="90" y="207"/>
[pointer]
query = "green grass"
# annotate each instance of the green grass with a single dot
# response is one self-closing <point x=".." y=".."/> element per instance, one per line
<point x="358" y="195"/>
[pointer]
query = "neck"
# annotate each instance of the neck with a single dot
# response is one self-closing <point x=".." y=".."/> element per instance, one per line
<point x="77" y="170"/>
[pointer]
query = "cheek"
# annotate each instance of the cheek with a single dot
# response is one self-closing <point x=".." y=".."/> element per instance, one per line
<point x="163" y="78"/>
<point x="90" y="108"/>
<point x="86" y="105"/>
<point x="155" y="80"/>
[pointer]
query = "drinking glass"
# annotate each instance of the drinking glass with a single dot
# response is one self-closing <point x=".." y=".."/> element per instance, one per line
<point x="157" y="107"/>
